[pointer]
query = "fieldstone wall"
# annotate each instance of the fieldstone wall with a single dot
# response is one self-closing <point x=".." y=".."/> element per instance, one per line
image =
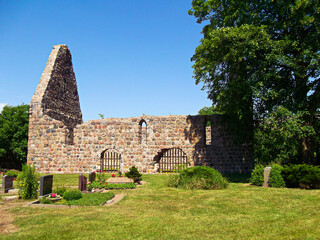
<point x="59" y="142"/>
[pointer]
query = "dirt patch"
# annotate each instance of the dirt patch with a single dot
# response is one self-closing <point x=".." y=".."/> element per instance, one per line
<point x="7" y="218"/>
<point x="117" y="198"/>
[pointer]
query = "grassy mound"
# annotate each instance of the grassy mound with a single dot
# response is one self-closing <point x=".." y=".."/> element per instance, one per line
<point x="199" y="177"/>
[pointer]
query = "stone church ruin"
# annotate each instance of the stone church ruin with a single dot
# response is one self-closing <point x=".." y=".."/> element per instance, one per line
<point x="59" y="141"/>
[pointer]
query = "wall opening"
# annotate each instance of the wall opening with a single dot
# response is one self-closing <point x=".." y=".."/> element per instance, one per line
<point x="173" y="160"/>
<point x="69" y="136"/>
<point x="143" y="132"/>
<point x="110" y="161"/>
<point x="208" y="133"/>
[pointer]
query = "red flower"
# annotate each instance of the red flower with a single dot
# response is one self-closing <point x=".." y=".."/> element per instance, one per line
<point x="14" y="179"/>
<point x="104" y="183"/>
<point x="53" y="195"/>
<point x="59" y="169"/>
<point x="113" y="175"/>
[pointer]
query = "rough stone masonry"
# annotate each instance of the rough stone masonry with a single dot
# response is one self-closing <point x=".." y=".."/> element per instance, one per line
<point x="59" y="141"/>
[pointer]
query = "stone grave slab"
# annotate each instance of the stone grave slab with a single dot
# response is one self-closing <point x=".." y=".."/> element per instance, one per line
<point x="266" y="176"/>
<point x="46" y="184"/>
<point x="7" y="183"/>
<point x="92" y="177"/>
<point x="82" y="183"/>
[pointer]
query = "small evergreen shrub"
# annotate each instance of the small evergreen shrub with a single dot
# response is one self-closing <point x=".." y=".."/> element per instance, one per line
<point x="70" y="195"/>
<point x="60" y="190"/>
<point x="257" y="175"/>
<point x="134" y="174"/>
<point x="28" y="182"/>
<point x="275" y="178"/>
<point x="199" y="177"/>
<point x="301" y="176"/>
<point x="13" y="173"/>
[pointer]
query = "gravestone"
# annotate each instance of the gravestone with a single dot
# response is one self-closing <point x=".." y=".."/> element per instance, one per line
<point x="82" y="183"/>
<point x="46" y="184"/>
<point x="92" y="177"/>
<point x="266" y="176"/>
<point x="7" y="183"/>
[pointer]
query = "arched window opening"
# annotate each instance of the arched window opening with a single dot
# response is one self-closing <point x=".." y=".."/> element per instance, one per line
<point x="208" y="133"/>
<point x="143" y="132"/>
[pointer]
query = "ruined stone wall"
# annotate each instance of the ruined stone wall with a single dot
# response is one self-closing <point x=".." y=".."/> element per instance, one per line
<point x="58" y="142"/>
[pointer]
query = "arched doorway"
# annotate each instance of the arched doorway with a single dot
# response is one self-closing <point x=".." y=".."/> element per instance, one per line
<point x="173" y="160"/>
<point x="110" y="161"/>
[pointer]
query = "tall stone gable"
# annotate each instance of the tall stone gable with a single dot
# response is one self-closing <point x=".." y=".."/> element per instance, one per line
<point x="59" y="142"/>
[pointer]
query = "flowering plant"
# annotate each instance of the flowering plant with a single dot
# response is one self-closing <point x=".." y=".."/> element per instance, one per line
<point x="54" y="195"/>
<point x="113" y="175"/>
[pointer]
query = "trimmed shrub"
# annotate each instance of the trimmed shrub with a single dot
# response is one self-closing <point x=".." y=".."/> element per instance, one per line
<point x="134" y="174"/>
<point x="257" y="175"/>
<point x="13" y="173"/>
<point x="70" y="195"/>
<point x="301" y="176"/>
<point x="199" y="177"/>
<point x="275" y="178"/>
<point x="28" y="182"/>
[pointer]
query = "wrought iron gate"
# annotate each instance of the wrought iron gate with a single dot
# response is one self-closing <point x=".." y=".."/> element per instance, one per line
<point x="173" y="160"/>
<point x="110" y="161"/>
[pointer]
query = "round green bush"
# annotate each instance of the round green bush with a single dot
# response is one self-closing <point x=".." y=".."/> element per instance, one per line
<point x="72" y="195"/>
<point x="275" y="178"/>
<point x="257" y="175"/>
<point x="199" y="177"/>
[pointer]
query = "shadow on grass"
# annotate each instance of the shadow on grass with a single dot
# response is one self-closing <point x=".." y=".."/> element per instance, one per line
<point x="238" y="177"/>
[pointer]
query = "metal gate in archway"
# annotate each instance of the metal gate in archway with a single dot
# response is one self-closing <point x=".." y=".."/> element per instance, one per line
<point x="110" y="161"/>
<point x="173" y="160"/>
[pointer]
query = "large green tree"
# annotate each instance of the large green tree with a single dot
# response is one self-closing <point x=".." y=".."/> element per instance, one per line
<point x="14" y="121"/>
<point x="258" y="55"/>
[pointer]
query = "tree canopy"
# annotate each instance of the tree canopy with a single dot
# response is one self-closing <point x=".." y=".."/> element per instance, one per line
<point x="264" y="53"/>
<point x="256" y="56"/>
<point x="14" y="121"/>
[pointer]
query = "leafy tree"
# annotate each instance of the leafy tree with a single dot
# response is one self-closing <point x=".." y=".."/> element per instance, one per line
<point x="14" y="121"/>
<point x="278" y="136"/>
<point x="258" y="55"/>
<point x="208" y="111"/>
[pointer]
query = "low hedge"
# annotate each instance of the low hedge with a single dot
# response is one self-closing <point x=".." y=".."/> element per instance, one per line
<point x="291" y="176"/>
<point x="301" y="176"/>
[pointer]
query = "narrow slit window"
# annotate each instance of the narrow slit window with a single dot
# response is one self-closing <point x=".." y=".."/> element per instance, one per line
<point x="143" y="132"/>
<point x="208" y="133"/>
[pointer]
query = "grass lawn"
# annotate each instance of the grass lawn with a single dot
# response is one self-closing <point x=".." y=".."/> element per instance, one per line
<point x="154" y="211"/>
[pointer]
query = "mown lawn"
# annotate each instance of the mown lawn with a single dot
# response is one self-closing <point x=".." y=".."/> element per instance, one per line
<point x="154" y="211"/>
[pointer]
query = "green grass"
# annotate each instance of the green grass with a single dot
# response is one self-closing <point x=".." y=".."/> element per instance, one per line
<point x="91" y="199"/>
<point x="154" y="211"/>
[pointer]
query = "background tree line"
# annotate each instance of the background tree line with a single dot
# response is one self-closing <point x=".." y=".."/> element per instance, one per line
<point x="14" y="122"/>
<point x="259" y="62"/>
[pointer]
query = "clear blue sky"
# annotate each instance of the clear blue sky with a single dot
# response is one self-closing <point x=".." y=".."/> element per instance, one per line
<point x="131" y="57"/>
